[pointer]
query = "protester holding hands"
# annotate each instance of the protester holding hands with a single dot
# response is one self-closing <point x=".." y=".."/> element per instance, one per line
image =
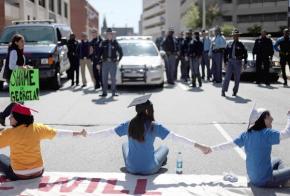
<point x="257" y="142"/>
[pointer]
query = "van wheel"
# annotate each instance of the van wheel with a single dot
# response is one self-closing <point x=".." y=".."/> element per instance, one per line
<point x="55" y="81"/>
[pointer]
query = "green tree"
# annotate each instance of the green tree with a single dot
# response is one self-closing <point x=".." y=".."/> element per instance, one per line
<point x="255" y="29"/>
<point x="213" y="11"/>
<point x="227" y="29"/>
<point x="192" y="17"/>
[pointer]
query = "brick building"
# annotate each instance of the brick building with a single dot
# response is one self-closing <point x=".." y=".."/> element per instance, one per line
<point x="84" y="17"/>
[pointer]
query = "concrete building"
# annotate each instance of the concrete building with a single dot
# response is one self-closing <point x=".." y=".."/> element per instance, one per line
<point x="84" y="17"/>
<point x="57" y="10"/>
<point x="160" y="14"/>
<point x="118" y="31"/>
<point x="270" y="14"/>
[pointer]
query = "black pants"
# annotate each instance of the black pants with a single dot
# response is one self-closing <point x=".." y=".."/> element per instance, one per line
<point x="262" y="74"/>
<point x="7" y="111"/>
<point x="97" y="75"/>
<point x="283" y="61"/>
<point x="74" y="69"/>
<point x="6" y="168"/>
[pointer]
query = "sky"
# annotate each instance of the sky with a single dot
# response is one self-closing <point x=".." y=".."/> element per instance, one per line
<point x="119" y="13"/>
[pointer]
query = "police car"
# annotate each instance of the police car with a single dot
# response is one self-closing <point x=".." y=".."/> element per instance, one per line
<point x="45" y="48"/>
<point x="249" y="73"/>
<point x="142" y="63"/>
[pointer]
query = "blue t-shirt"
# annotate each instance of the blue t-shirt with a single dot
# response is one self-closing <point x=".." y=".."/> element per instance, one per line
<point x="258" y="148"/>
<point x="140" y="158"/>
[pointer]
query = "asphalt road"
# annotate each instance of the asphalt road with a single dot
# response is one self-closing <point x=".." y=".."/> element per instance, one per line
<point x="200" y="114"/>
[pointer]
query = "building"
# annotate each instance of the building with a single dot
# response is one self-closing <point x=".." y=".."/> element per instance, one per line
<point x="159" y="15"/>
<point x="57" y="10"/>
<point x="84" y="18"/>
<point x="118" y="31"/>
<point x="271" y="15"/>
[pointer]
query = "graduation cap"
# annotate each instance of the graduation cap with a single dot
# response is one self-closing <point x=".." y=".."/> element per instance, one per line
<point x="255" y="115"/>
<point x="142" y="103"/>
<point x="21" y="109"/>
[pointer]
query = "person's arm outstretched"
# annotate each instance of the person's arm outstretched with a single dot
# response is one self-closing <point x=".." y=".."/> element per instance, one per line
<point x="285" y="134"/>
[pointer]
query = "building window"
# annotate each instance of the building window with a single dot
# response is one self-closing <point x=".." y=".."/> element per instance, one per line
<point x="263" y="17"/>
<point x="227" y="18"/>
<point x="65" y="10"/>
<point x="41" y="3"/>
<point x="244" y="1"/>
<point x="281" y="16"/>
<point x="228" y="1"/>
<point x="32" y="1"/>
<point x="59" y="9"/>
<point x="28" y="17"/>
<point x="51" y="5"/>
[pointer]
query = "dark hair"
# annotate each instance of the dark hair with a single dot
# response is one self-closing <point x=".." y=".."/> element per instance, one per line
<point x="260" y="123"/>
<point x="137" y="124"/>
<point x="23" y="119"/>
<point x="15" y="38"/>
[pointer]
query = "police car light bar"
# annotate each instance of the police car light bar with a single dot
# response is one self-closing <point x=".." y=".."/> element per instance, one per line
<point x="16" y="22"/>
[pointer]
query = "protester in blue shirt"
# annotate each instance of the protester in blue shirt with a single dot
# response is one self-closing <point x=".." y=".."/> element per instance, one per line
<point x="139" y="154"/>
<point x="257" y="142"/>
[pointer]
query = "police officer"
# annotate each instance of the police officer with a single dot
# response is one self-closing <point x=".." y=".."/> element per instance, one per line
<point x="170" y="47"/>
<point x="195" y="54"/>
<point x="159" y="40"/>
<point x="263" y="49"/>
<point x="282" y="46"/>
<point x="205" y="62"/>
<point x="184" y="53"/>
<point x="74" y="60"/>
<point x="235" y="52"/>
<point x="216" y="52"/>
<point x="96" y="43"/>
<point x="179" y="41"/>
<point x="110" y="54"/>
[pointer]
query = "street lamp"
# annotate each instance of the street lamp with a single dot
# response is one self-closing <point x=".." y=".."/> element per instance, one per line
<point x="204" y="15"/>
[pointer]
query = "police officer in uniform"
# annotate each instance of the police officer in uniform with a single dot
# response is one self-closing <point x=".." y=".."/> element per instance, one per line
<point x="195" y="53"/>
<point x="170" y="47"/>
<point x="184" y="53"/>
<point x="216" y="52"/>
<point x="179" y="40"/>
<point x="110" y="54"/>
<point x="159" y="40"/>
<point x="263" y="49"/>
<point x="235" y="52"/>
<point x="96" y="43"/>
<point x="74" y="60"/>
<point x="282" y="46"/>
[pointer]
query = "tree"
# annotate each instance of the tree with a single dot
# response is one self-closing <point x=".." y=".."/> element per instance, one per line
<point x="213" y="11"/>
<point x="227" y="29"/>
<point x="255" y="29"/>
<point x="192" y="17"/>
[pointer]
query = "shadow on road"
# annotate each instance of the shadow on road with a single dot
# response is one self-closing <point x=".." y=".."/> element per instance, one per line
<point x="239" y="99"/>
<point x="196" y="90"/>
<point x="268" y="192"/>
<point x="103" y="100"/>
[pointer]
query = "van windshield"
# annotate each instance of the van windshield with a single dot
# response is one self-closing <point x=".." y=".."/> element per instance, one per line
<point x="32" y="34"/>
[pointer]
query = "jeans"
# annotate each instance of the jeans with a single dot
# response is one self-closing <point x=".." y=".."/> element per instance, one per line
<point x="109" y="68"/>
<point x="160" y="155"/>
<point x="234" y="67"/>
<point x="205" y="63"/>
<point x="170" y="68"/>
<point x="195" y="63"/>
<point x="280" y="174"/>
<point x="6" y="168"/>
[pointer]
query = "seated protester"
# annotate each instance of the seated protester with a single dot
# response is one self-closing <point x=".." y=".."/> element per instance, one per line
<point x="24" y="141"/>
<point x="258" y="141"/>
<point x="139" y="154"/>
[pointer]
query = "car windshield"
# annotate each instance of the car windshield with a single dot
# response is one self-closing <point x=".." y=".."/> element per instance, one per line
<point x="32" y="35"/>
<point x="139" y="49"/>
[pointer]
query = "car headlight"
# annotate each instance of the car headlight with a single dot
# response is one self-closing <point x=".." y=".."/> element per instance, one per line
<point x="276" y="63"/>
<point x="44" y="61"/>
<point x="158" y="67"/>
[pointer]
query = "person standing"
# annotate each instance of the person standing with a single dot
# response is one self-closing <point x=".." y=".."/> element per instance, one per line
<point x="15" y="59"/>
<point x="263" y="50"/>
<point x="282" y="46"/>
<point x="110" y="54"/>
<point x="185" y="65"/>
<point x="235" y="52"/>
<point x="159" y="40"/>
<point x="179" y="41"/>
<point x="96" y="43"/>
<point x="195" y="54"/>
<point x="73" y="56"/>
<point x="205" y="62"/>
<point x="170" y="47"/>
<point x="85" y="61"/>
<point x="216" y="52"/>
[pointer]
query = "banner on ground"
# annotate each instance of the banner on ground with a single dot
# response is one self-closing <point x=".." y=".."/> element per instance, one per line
<point x="59" y="184"/>
<point x="24" y="85"/>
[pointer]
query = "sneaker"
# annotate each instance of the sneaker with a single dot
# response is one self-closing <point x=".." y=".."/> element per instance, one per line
<point x="84" y="85"/>
<point x="285" y="84"/>
<point x="115" y="94"/>
<point x="234" y="94"/>
<point x="103" y="95"/>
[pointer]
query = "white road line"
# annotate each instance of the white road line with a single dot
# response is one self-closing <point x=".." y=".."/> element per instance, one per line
<point x="183" y="86"/>
<point x="229" y="138"/>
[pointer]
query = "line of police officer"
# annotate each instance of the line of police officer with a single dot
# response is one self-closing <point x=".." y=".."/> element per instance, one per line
<point x="99" y="56"/>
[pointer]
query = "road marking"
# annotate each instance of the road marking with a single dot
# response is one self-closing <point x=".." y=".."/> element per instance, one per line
<point x="229" y="138"/>
<point x="183" y="86"/>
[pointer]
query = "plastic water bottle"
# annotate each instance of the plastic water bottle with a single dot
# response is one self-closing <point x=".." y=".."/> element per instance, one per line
<point x="179" y="163"/>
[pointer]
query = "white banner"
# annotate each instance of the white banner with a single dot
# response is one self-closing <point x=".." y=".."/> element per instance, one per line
<point x="60" y="184"/>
